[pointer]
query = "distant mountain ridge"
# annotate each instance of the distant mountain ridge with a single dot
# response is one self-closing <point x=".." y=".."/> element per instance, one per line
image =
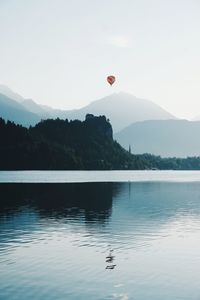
<point x="168" y="138"/>
<point x="140" y="123"/>
<point x="122" y="109"/>
<point x="33" y="107"/>
<point x="26" y="104"/>
<point x="10" y="94"/>
<point x="14" y="111"/>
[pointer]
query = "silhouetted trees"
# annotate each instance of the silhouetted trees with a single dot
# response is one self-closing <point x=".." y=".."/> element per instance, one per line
<point x="170" y="163"/>
<point x="75" y="145"/>
<point x="63" y="145"/>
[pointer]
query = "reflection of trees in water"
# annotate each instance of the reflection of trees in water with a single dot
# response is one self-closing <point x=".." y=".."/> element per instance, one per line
<point x="138" y="206"/>
<point x="93" y="200"/>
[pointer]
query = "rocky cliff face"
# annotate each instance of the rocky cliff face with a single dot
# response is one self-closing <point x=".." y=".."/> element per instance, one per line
<point x="100" y="124"/>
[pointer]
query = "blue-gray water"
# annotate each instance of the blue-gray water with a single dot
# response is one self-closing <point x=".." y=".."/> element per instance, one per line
<point x="98" y="176"/>
<point x="54" y="239"/>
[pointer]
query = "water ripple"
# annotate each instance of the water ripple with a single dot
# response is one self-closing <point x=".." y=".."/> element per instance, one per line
<point x="53" y="248"/>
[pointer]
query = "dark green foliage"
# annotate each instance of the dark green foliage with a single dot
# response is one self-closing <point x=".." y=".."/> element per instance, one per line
<point x="75" y="145"/>
<point x="170" y="163"/>
<point x="63" y="145"/>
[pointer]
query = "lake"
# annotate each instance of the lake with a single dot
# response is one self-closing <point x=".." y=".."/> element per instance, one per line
<point x="55" y="237"/>
<point x="97" y="176"/>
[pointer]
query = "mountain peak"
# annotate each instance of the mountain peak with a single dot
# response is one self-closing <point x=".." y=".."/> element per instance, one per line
<point x="122" y="109"/>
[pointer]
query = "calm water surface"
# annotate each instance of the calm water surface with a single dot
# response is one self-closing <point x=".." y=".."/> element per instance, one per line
<point x="98" y="176"/>
<point x="54" y="239"/>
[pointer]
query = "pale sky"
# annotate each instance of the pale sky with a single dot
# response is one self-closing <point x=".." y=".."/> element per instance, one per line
<point x="59" y="52"/>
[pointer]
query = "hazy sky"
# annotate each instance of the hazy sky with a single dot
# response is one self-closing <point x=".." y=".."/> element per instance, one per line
<point x="59" y="52"/>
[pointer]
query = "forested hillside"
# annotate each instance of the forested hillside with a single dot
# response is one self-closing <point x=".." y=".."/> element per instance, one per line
<point x="63" y="145"/>
<point x="75" y="145"/>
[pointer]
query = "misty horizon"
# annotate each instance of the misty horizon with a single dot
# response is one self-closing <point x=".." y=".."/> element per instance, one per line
<point x="60" y="53"/>
<point x="9" y="92"/>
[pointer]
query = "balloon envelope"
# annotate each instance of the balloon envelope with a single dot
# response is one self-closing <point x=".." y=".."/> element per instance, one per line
<point x="111" y="79"/>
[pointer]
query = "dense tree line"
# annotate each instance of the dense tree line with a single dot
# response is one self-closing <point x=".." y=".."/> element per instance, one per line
<point x="63" y="145"/>
<point x="75" y="145"/>
<point x="170" y="163"/>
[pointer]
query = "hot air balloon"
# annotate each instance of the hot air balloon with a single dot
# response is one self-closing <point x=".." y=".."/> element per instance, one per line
<point x="111" y="79"/>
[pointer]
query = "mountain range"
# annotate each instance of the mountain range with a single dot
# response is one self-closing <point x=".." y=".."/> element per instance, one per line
<point x="121" y="109"/>
<point x="138" y="123"/>
<point x="168" y="138"/>
<point x="15" y="111"/>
